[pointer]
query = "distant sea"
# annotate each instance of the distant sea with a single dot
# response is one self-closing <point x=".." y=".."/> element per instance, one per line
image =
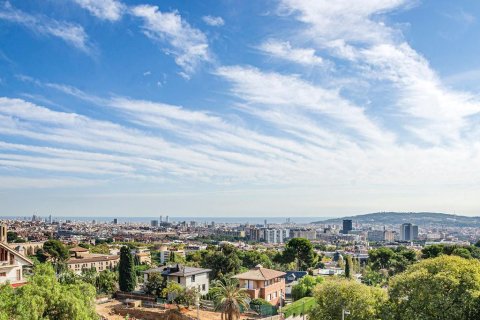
<point x="251" y="220"/>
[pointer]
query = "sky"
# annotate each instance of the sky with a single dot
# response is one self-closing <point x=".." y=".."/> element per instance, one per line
<point x="239" y="108"/>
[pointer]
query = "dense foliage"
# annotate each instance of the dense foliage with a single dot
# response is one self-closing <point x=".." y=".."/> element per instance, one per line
<point x="127" y="278"/>
<point x="305" y="286"/>
<point x="332" y="296"/>
<point x="447" y="287"/>
<point x="44" y="297"/>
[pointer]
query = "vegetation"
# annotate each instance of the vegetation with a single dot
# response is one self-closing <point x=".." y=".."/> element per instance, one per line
<point x="467" y="252"/>
<point x="363" y="302"/>
<point x="299" y="307"/>
<point x="447" y="287"/>
<point x="300" y="251"/>
<point x="12" y="237"/>
<point x="155" y="284"/>
<point x="305" y="286"/>
<point x="44" y="297"/>
<point x="230" y="299"/>
<point x="127" y="278"/>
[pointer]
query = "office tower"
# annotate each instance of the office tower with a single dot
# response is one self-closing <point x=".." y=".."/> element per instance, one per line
<point x="408" y="232"/>
<point x="347" y="226"/>
<point x="50" y="219"/>
<point x="265" y="223"/>
<point x="154" y="223"/>
<point x="166" y="219"/>
<point x="115" y="221"/>
<point x="161" y="219"/>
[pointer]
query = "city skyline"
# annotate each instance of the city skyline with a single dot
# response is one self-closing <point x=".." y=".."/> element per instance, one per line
<point x="223" y="108"/>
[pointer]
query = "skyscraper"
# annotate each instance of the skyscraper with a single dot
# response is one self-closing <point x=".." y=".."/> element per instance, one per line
<point x="408" y="232"/>
<point x="347" y="226"/>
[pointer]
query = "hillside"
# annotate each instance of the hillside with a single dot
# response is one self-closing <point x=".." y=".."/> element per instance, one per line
<point x="419" y="218"/>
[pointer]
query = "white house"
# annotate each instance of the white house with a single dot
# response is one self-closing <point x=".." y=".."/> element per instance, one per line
<point x="12" y="264"/>
<point x="188" y="277"/>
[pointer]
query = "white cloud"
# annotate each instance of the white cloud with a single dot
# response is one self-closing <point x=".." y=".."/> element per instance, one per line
<point x="284" y="50"/>
<point x="213" y="21"/>
<point x="72" y="34"/>
<point x="111" y="10"/>
<point x="188" y="45"/>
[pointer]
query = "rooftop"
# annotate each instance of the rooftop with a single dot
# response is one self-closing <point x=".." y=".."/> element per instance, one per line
<point x="260" y="273"/>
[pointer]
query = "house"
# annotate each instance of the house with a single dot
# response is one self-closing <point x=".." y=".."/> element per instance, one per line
<point x="165" y="254"/>
<point x="12" y="265"/>
<point x="188" y="277"/>
<point x="293" y="276"/>
<point x="81" y="259"/>
<point x="263" y="283"/>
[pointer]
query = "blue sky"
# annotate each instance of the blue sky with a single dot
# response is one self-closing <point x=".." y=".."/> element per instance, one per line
<point x="236" y="108"/>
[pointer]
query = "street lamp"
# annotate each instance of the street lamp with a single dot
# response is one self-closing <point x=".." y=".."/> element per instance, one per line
<point x="345" y="312"/>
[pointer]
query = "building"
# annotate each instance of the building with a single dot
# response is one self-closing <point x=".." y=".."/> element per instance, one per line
<point x="303" y="233"/>
<point x="408" y="232"/>
<point x="347" y="226"/>
<point x="264" y="283"/>
<point x="82" y="259"/>
<point x="143" y="255"/>
<point x="12" y="263"/>
<point x="154" y="223"/>
<point x="166" y="253"/>
<point x="188" y="277"/>
<point x="115" y="221"/>
<point x="3" y="233"/>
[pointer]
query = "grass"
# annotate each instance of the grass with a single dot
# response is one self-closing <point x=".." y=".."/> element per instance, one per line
<point x="299" y="307"/>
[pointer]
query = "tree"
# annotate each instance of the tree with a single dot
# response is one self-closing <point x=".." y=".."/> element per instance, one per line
<point x="127" y="278"/>
<point x="155" y="284"/>
<point x="393" y="261"/>
<point x="44" y="297"/>
<point x="301" y="251"/>
<point x="106" y="282"/>
<point x="348" y="267"/>
<point x="230" y="299"/>
<point x="56" y="251"/>
<point x="446" y="287"/>
<point x="432" y="251"/>
<point x="334" y="295"/>
<point x="222" y="261"/>
<point x="305" y="287"/>
<point x="173" y="291"/>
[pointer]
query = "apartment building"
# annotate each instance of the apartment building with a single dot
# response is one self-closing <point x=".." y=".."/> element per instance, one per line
<point x="81" y="259"/>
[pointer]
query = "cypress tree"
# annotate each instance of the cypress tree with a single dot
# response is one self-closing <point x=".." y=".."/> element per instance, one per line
<point x="348" y="267"/>
<point x="127" y="279"/>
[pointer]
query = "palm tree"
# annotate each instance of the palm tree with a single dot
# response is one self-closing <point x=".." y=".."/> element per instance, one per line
<point x="229" y="298"/>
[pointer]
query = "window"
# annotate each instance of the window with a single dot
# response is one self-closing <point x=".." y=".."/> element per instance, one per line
<point x="19" y="275"/>
<point x="269" y="297"/>
<point x="193" y="278"/>
<point x="275" y="294"/>
<point x="203" y="287"/>
<point x="178" y="279"/>
<point x="3" y="274"/>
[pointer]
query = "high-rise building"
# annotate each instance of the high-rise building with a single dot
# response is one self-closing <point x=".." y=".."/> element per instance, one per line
<point x="408" y="232"/>
<point x="347" y="226"/>
<point x="154" y="223"/>
<point x="115" y="221"/>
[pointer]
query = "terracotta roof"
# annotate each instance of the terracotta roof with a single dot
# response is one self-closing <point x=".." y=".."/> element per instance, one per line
<point x="260" y="273"/>
<point x="93" y="258"/>
<point x="181" y="271"/>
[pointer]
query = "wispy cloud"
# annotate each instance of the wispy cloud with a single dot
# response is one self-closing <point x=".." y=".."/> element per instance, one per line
<point x="213" y="21"/>
<point x="111" y="10"/>
<point x="71" y="33"/>
<point x="284" y="50"/>
<point x="188" y="45"/>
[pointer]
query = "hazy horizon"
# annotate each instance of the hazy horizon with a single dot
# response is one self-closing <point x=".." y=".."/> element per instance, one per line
<point x="234" y="108"/>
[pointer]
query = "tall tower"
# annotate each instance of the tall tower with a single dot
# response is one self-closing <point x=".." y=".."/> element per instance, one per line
<point x="3" y="233"/>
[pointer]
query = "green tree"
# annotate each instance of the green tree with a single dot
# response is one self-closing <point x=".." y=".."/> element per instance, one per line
<point x="44" y="297"/>
<point x="230" y="299"/>
<point x="106" y="282"/>
<point x="446" y="287"/>
<point x="155" y="284"/>
<point x="56" y="251"/>
<point x="222" y="261"/>
<point x="305" y="286"/>
<point x="301" y="251"/>
<point x="173" y="291"/>
<point x="127" y="279"/>
<point x="432" y="251"/>
<point x="363" y="302"/>
<point x="348" y="267"/>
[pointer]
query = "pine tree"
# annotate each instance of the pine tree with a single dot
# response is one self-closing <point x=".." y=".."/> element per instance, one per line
<point x="127" y="278"/>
